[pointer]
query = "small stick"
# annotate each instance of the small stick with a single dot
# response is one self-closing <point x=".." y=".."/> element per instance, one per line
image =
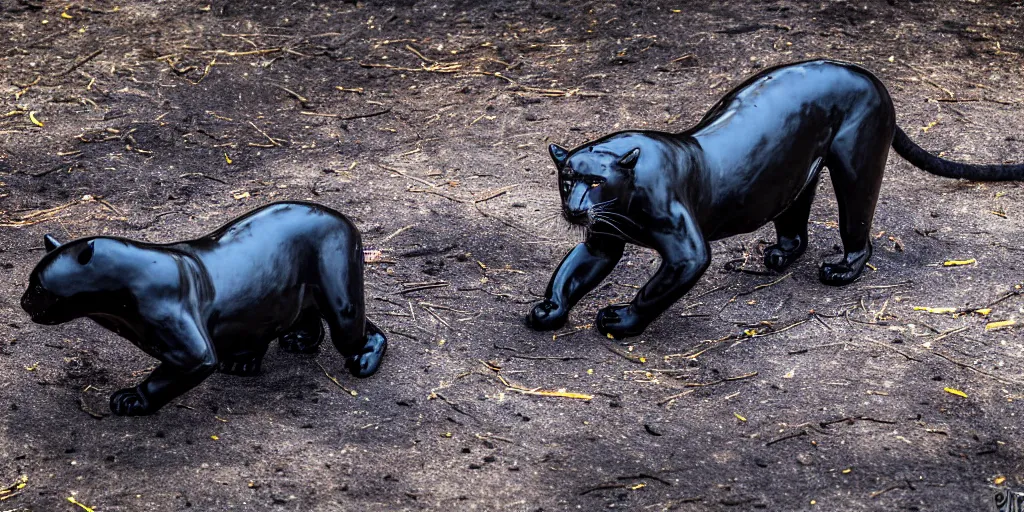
<point x="201" y="175"/>
<point x="492" y="436"/>
<point x="497" y="193"/>
<point x="76" y="65"/>
<point x="887" y="489"/>
<point x="976" y="370"/>
<point x="786" y="437"/>
<point x="805" y="350"/>
<point x="446" y="308"/>
<point x="709" y="292"/>
<point x="335" y="381"/>
<point x="257" y="128"/>
<point x="675" y="396"/>
<point x="820" y="321"/>
<point x="575" y="330"/>
<point x="423" y="287"/>
<point x="242" y="54"/>
<point x="631" y="357"/>
<point x="404" y="335"/>
<point x="602" y="487"/>
<point x="824" y="424"/>
<point x="645" y="475"/>
<point x="546" y="358"/>
<point x="396" y="233"/>
<point x="727" y="379"/>
<point x="420" y="55"/>
<point x="784" y="329"/>
<point x="950" y="332"/>
<point x="405" y="175"/>
<point x="436" y="193"/>
<point x="1014" y="293"/>
<point x="363" y="116"/>
<point x="883" y="345"/>
<point x="885" y="286"/>
<point x="766" y="285"/>
<point x="439" y="319"/>
<point x="294" y="94"/>
<point x="454" y="406"/>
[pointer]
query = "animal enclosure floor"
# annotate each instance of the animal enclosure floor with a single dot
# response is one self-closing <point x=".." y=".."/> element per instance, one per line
<point x="427" y="123"/>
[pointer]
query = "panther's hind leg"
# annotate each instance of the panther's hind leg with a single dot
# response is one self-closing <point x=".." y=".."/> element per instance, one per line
<point x="341" y="302"/>
<point x="305" y="335"/>
<point x="791" y="231"/>
<point x="856" y="165"/>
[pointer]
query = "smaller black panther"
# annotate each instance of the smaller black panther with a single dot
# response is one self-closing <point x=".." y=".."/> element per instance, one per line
<point x="754" y="157"/>
<point x="217" y="301"/>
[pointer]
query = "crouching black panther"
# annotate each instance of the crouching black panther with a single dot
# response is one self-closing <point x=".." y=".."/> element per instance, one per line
<point x="754" y="157"/>
<point x="217" y="301"/>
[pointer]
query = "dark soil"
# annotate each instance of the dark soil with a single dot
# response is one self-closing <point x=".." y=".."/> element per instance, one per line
<point x="162" y="120"/>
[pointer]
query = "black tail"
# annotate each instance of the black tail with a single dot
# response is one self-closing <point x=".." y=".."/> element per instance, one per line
<point x="945" y="168"/>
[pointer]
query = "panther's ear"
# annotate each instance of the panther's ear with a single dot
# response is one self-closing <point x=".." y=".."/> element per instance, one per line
<point x="629" y="160"/>
<point x="87" y="252"/>
<point x="558" y="154"/>
<point x="50" y="243"/>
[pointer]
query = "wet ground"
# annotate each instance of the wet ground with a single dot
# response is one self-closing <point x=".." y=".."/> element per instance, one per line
<point x="427" y="124"/>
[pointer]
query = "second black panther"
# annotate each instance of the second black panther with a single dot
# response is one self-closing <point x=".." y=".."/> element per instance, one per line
<point x="754" y="157"/>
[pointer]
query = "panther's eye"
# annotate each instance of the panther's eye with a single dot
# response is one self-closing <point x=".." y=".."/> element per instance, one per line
<point x="594" y="184"/>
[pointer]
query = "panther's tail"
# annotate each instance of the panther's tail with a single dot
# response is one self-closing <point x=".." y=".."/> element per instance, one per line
<point x="935" y="165"/>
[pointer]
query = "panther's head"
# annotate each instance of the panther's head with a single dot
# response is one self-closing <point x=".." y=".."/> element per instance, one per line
<point x="592" y="181"/>
<point x="72" y="280"/>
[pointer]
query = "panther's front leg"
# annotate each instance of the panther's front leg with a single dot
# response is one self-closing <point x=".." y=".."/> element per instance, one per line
<point x="579" y="272"/>
<point x="186" y="358"/>
<point x="685" y="256"/>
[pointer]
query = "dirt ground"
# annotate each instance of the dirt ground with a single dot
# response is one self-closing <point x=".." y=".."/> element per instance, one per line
<point x="427" y="123"/>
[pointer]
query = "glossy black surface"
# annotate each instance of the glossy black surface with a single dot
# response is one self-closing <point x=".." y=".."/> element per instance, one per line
<point x="754" y="157"/>
<point x="216" y="302"/>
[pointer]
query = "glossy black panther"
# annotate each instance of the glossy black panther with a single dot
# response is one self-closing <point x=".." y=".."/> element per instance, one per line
<point x="754" y="157"/>
<point x="217" y="301"/>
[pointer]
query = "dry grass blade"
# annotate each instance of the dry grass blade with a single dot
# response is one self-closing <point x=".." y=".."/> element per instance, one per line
<point x="336" y="381"/>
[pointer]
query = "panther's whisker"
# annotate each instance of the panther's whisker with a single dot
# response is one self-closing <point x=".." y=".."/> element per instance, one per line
<point x="622" y="234"/>
<point x="622" y="220"/>
<point x="623" y="217"/>
<point x="547" y="219"/>
<point x="547" y="225"/>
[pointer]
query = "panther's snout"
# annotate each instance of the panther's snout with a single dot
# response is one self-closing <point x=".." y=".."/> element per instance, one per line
<point x="37" y="303"/>
<point x="583" y="217"/>
<point x="27" y="301"/>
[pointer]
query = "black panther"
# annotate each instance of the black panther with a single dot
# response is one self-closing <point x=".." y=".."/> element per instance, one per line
<point x="754" y="157"/>
<point x="217" y="301"/>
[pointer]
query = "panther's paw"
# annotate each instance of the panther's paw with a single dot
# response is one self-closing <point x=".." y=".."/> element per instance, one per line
<point x="130" y="402"/>
<point x="547" y="316"/>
